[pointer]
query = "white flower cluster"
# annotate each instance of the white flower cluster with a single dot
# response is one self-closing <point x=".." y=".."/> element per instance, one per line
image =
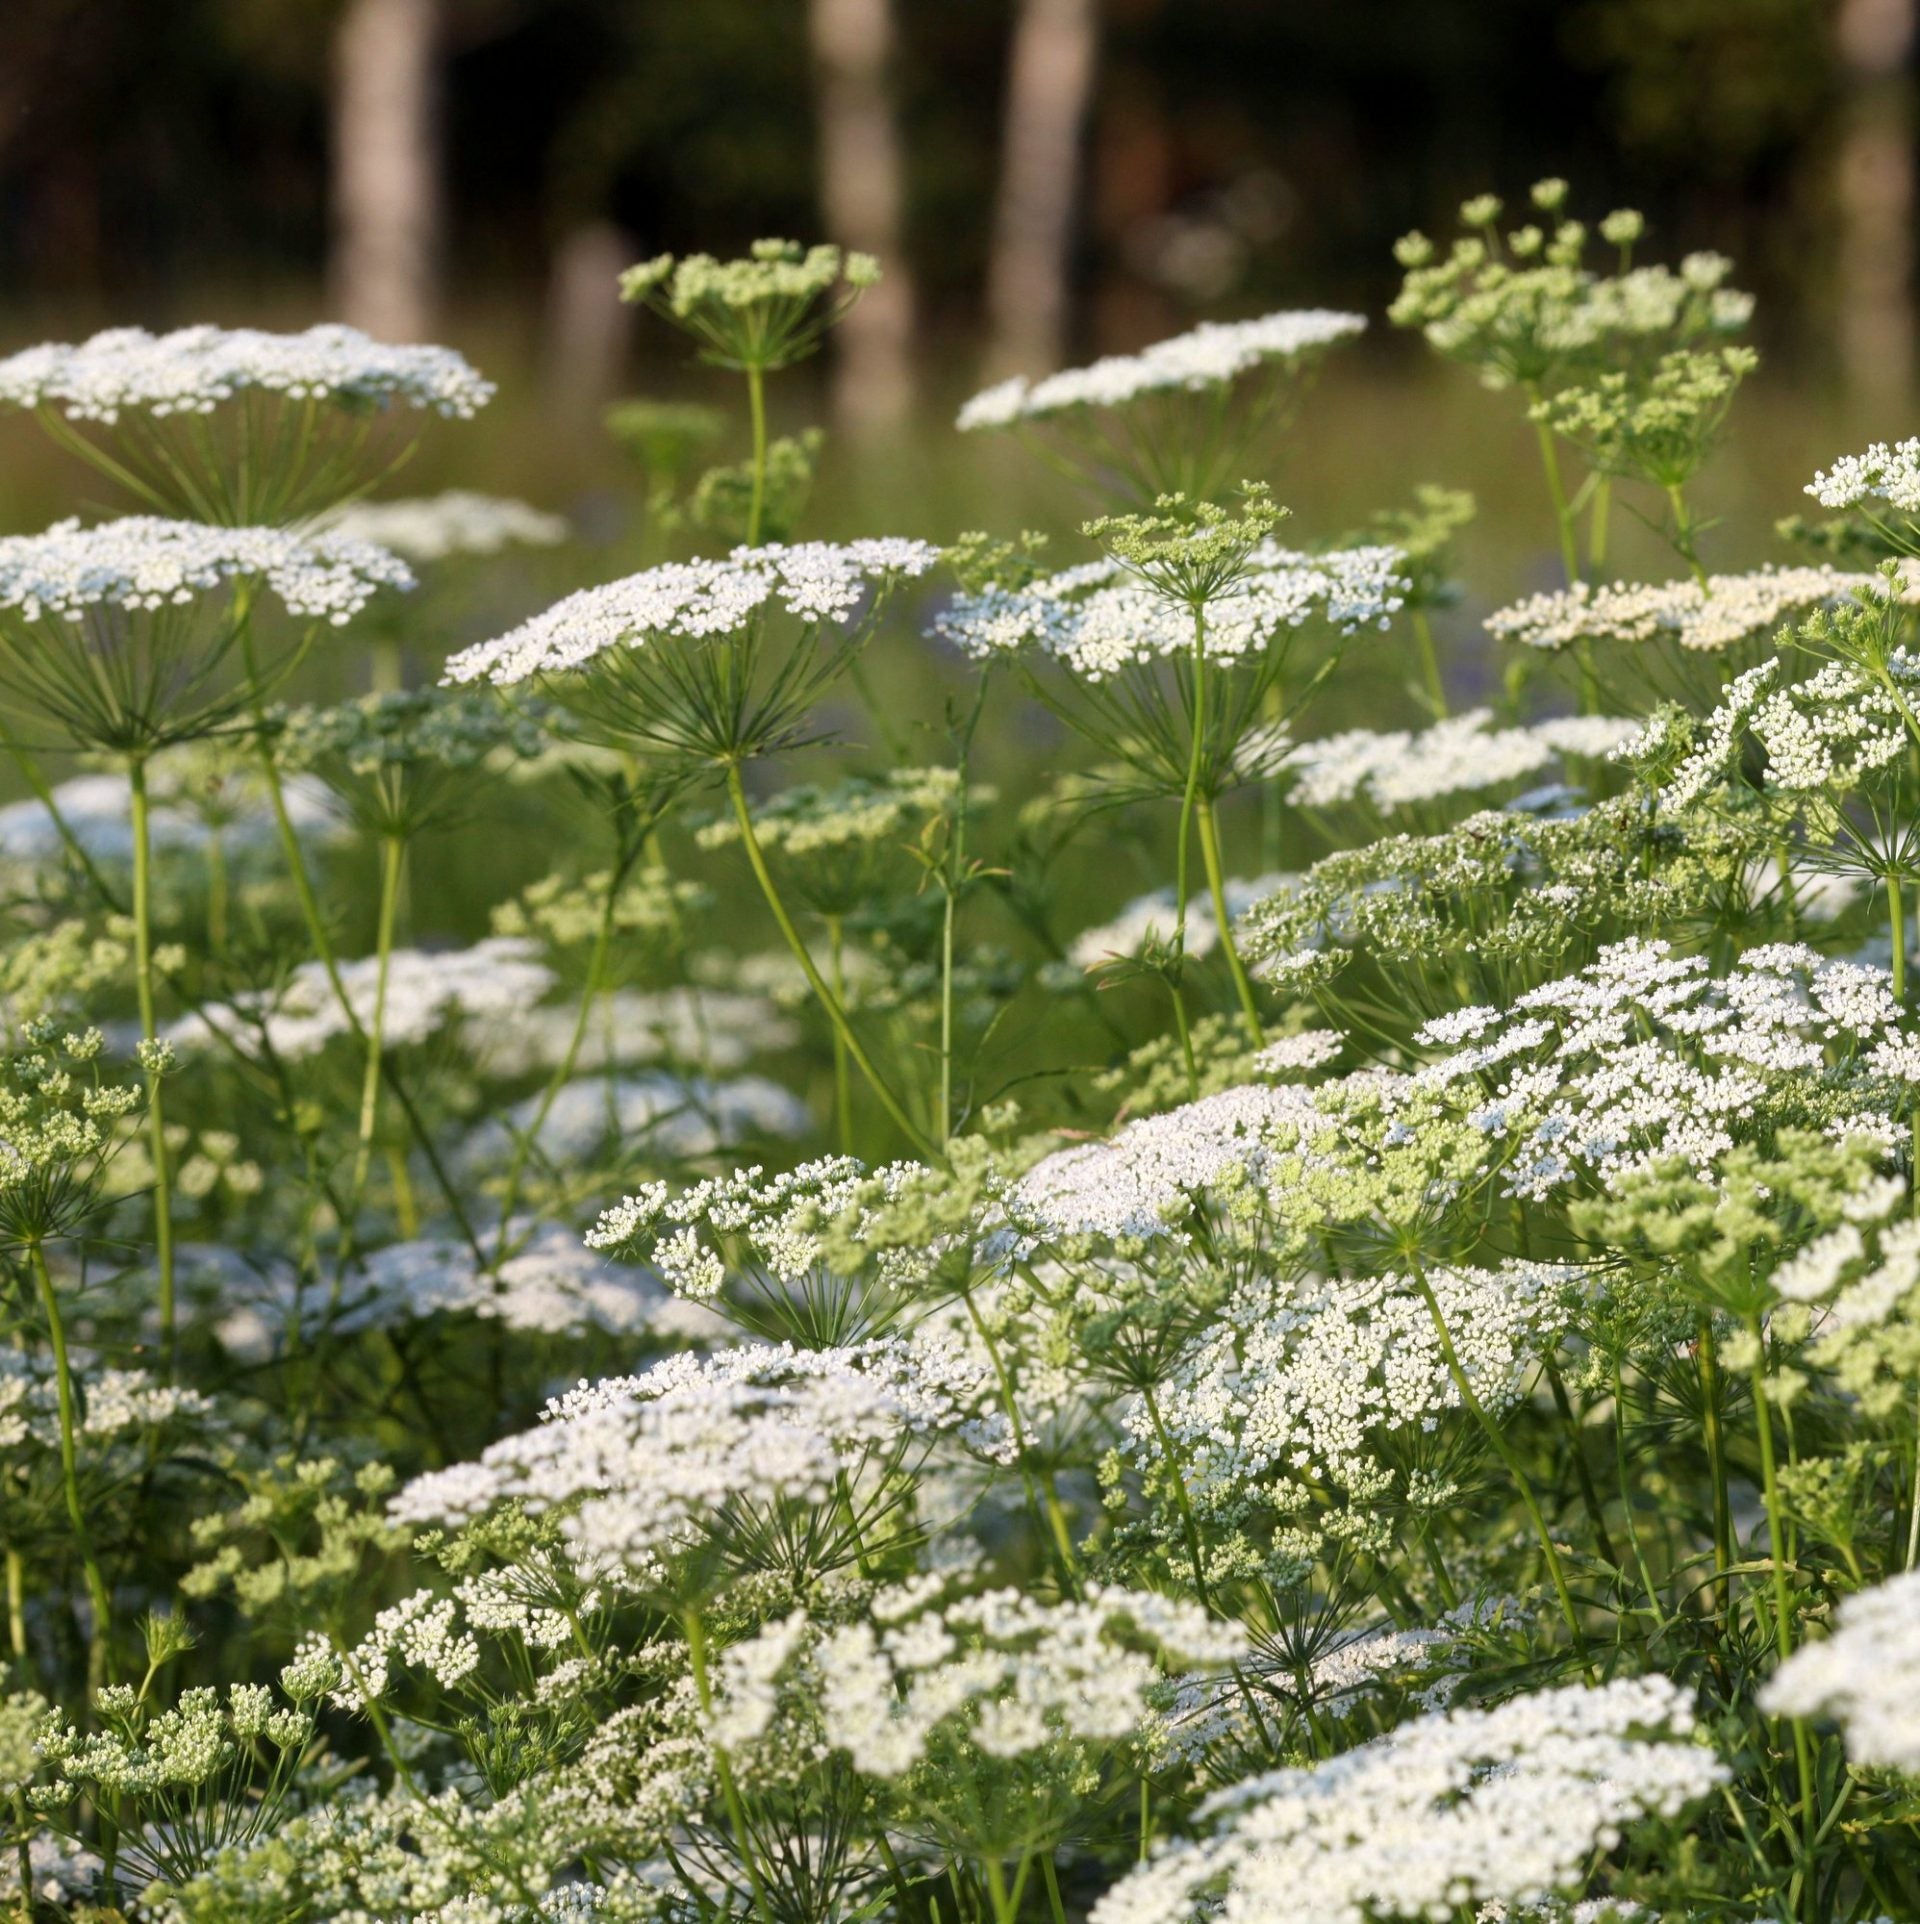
<point x="671" y="1116"/>
<point x="1866" y="1676"/>
<point x="143" y="562"/>
<point x="98" y="812"/>
<point x="1152" y="917"/>
<point x="1646" y="1056"/>
<point x="1097" y="619"/>
<point x="769" y="1218"/>
<point x="438" y="526"/>
<point x="1210" y="355"/>
<point x="1137" y="1184"/>
<point x="1003" y="1672"/>
<point x="1883" y="473"/>
<point x="1836" y="726"/>
<point x="1462" y="755"/>
<point x="1300" y="1380"/>
<point x="815" y="581"/>
<point x="1729" y="610"/>
<point x="547" y="1286"/>
<point x="1503" y="1805"/>
<point x="496" y="978"/>
<point x="121" y="1405"/>
<point x="642" y="1470"/>
<point x="194" y="369"/>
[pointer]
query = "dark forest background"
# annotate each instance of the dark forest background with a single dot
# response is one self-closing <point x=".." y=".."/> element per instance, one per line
<point x="1045" y="179"/>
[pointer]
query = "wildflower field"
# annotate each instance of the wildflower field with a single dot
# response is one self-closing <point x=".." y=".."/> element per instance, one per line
<point x="1209" y="1316"/>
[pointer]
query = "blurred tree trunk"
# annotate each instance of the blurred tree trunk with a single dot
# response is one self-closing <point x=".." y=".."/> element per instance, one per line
<point x="863" y="194"/>
<point x="1875" y="197"/>
<point x="1049" y="91"/>
<point x="386" y="172"/>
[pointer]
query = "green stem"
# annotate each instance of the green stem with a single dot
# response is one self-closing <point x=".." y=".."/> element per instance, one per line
<point x="1503" y="1449"/>
<point x="1217" y="888"/>
<point x="1429" y="661"/>
<point x="1597" y="524"/>
<point x="1189" y="1526"/>
<point x="98" y="1642"/>
<point x="1626" y="1493"/>
<point x="1913" y="1517"/>
<point x="1897" y="928"/>
<point x="16" y="1605"/>
<point x="149" y="1034"/>
<point x="597" y="958"/>
<point x="392" y="848"/>
<point x="1189" y="800"/>
<point x="1777" y="1556"/>
<point x="723" y="1768"/>
<point x="1716" y="1454"/>
<point x="1683" y="541"/>
<point x="835" y="1013"/>
<point x="842" y="1067"/>
<point x="1051" y="1878"/>
<point x="757" y="407"/>
<point x="1557" y="494"/>
<point x="1589" y="1495"/>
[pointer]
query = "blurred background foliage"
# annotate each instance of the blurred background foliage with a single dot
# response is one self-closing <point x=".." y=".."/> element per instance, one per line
<point x="1044" y="179"/>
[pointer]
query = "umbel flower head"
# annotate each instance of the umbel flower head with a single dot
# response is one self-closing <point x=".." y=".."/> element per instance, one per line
<point x="764" y="312"/>
<point x="57" y="1130"/>
<point x="1866" y="1675"/>
<point x="302" y="406"/>
<point x="440" y="526"/>
<point x="120" y="631"/>
<point x="678" y="660"/>
<point x="1502" y="1806"/>
<point x="1155" y="422"/>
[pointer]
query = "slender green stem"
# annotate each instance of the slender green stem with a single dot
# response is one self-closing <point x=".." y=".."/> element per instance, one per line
<point x="1504" y="1450"/>
<point x="1051" y="1878"/>
<point x="1188" y="1524"/>
<point x="842" y="1066"/>
<point x="1589" y="1495"/>
<point x="1626" y="1493"/>
<point x="149" y="1034"/>
<point x="1777" y="1557"/>
<point x="1897" y="929"/>
<point x="16" y="1605"/>
<point x="757" y="408"/>
<point x="590" y="992"/>
<point x="1913" y="1515"/>
<point x="1217" y="888"/>
<point x="99" y="1641"/>
<point x="1683" y="539"/>
<point x="1189" y="799"/>
<point x="1597" y="523"/>
<point x="1716" y="1454"/>
<point x="392" y="852"/>
<point x="723" y="1768"/>
<point x="828" y="1001"/>
<point x="1429" y="661"/>
<point x="1557" y="494"/>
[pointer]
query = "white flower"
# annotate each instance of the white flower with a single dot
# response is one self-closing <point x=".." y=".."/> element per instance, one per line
<point x="1210" y="355"/>
<point x="496" y="978"/>
<point x="1097" y="620"/>
<point x="816" y="581"/>
<point x="194" y="369"/>
<point x="1003" y="1671"/>
<point x="143" y="562"/>
<point x="1866" y="1675"/>
<point x="1153" y="916"/>
<point x="1889" y="474"/>
<point x="458" y="522"/>
<point x="1730" y="610"/>
<point x="1508" y="1804"/>
<point x="1460" y="755"/>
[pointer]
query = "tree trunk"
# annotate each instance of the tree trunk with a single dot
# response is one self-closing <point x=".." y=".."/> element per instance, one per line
<point x="1049" y="91"/>
<point x="863" y="194"/>
<point x="386" y="174"/>
<point x="1874" y="192"/>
